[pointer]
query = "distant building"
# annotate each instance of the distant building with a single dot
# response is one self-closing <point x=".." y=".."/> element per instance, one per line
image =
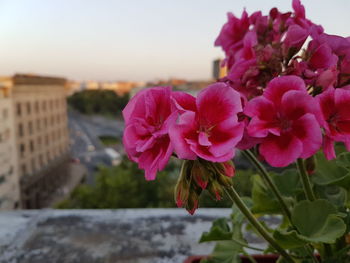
<point x="9" y="180"/>
<point x="219" y="71"/>
<point x="119" y="87"/>
<point x="41" y="135"/>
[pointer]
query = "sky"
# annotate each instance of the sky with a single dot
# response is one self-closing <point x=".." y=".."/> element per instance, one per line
<point x="137" y="40"/>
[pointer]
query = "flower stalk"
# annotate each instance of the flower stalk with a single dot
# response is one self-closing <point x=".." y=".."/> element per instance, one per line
<point x="236" y="199"/>
<point x="265" y="176"/>
<point x="305" y="180"/>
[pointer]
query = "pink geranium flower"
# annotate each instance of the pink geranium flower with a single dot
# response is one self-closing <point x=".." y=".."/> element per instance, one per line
<point x="284" y="119"/>
<point x="335" y="118"/>
<point x="148" y="117"/>
<point x="212" y="131"/>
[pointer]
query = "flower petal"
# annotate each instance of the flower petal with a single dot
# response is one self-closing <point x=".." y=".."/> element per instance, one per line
<point x="308" y="131"/>
<point x="216" y="103"/>
<point x="280" y="151"/>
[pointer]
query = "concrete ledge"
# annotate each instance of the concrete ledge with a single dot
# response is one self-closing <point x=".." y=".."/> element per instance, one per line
<point x="94" y="236"/>
<point x="108" y="236"/>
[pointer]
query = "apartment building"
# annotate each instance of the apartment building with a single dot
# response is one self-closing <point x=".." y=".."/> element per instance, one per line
<point x="41" y="136"/>
<point x="9" y="180"/>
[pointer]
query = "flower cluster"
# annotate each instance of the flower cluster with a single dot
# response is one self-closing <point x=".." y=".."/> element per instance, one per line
<point x="287" y="94"/>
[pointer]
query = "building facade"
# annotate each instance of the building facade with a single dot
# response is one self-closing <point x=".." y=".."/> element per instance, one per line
<point x="9" y="180"/>
<point x="41" y="136"/>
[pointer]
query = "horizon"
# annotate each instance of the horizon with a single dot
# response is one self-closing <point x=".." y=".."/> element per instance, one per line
<point x="134" y="41"/>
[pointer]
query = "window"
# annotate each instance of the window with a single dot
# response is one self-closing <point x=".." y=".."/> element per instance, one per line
<point x="36" y="106"/>
<point x="38" y="124"/>
<point x="45" y="122"/>
<point x="22" y="149"/>
<point x="19" y="109"/>
<point x="30" y="127"/>
<point x="20" y="130"/>
<point x="44" y="105"/>
<point x="33" y="165"/>
<point x="29" y="107"/>
<point x="31" y="146"/>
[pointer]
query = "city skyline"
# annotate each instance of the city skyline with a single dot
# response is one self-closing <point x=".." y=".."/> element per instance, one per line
<point x="135" y="41"/>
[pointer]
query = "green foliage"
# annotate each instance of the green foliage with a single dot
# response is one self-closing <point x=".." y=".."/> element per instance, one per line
<point x="317" y="222"/>
<point x="109" y="140"/>
<point x="288" y="184"/>
<point x="104" y="102"/>
<point x="124" y="186"/>
<point x="231" y="242"/>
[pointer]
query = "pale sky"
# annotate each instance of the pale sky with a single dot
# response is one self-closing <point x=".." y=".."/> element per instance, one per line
<point x="130" y="39"/>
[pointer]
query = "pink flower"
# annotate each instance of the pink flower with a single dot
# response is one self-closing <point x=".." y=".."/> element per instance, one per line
<point x="147" y="117"/>
<point x="284" y="119"/>
<point x="335" y="118"/>
<point x="212" y="131"/>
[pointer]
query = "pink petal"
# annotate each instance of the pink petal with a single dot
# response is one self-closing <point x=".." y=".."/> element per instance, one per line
<point x="216" y="103"/>
<point x="280" y="85"/>
<point x="308" y="131"/>
<point x="261" y="108"/>
<point x="280" y="151"/>
<point x="260" y="129"/>
<point x="225" y="137"/>
<point x="297" y="103"/>
<point x="178" y="133"/>
<point x="184" y="101"/>
<point x="323" y="58"/>
<point x="203" y="139"/>
<point x="342" y="101"/>
<point x="328" y="148"/>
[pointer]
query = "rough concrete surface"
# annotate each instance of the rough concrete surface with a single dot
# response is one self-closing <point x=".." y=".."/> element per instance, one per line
<point x="105" y="236"/>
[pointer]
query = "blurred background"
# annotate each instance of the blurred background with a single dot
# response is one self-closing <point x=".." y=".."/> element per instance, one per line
<point x="69" y="67"/>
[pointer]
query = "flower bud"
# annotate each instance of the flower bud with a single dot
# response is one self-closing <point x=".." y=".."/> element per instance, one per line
<point x="182" y="187"/>
<point x="215" y="189"/>
<point x="200" y="174"/>
<point x="192" y="202"/>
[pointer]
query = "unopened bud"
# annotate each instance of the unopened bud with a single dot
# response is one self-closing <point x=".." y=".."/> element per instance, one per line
<point x="215" y="189"/>
<point x="192" y="202"/>
<point x="200" y="174"/>
<point x="229" y="168"/>
<point x="310" y="165"/>
<point x="182" y="187"/>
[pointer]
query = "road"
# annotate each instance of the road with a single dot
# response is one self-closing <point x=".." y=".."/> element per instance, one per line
<point x="85" y="143"/>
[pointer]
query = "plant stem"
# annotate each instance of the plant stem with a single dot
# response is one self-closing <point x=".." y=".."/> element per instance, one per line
<point x="305" y="180"/>
<point x="265" y="176"/>
<point x="233" y="195"/>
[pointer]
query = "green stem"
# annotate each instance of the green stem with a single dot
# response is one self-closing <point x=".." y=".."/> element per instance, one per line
<point x="305" y="180"/>
<point x="267" y="179"/>
<point x="265" y="176"/>
<point x="233" y="195"/>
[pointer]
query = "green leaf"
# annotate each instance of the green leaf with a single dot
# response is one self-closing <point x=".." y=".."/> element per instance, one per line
<point x="333" y="193"/>
<point x="263" y="199"/>
<point x="318" y="221"/>
<point x="343" y="160"/>
<point x="330" y="172"/>
<point x="289" y="239"/>
<point x="220" y="230"/>
<point x="225" y="252"/>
